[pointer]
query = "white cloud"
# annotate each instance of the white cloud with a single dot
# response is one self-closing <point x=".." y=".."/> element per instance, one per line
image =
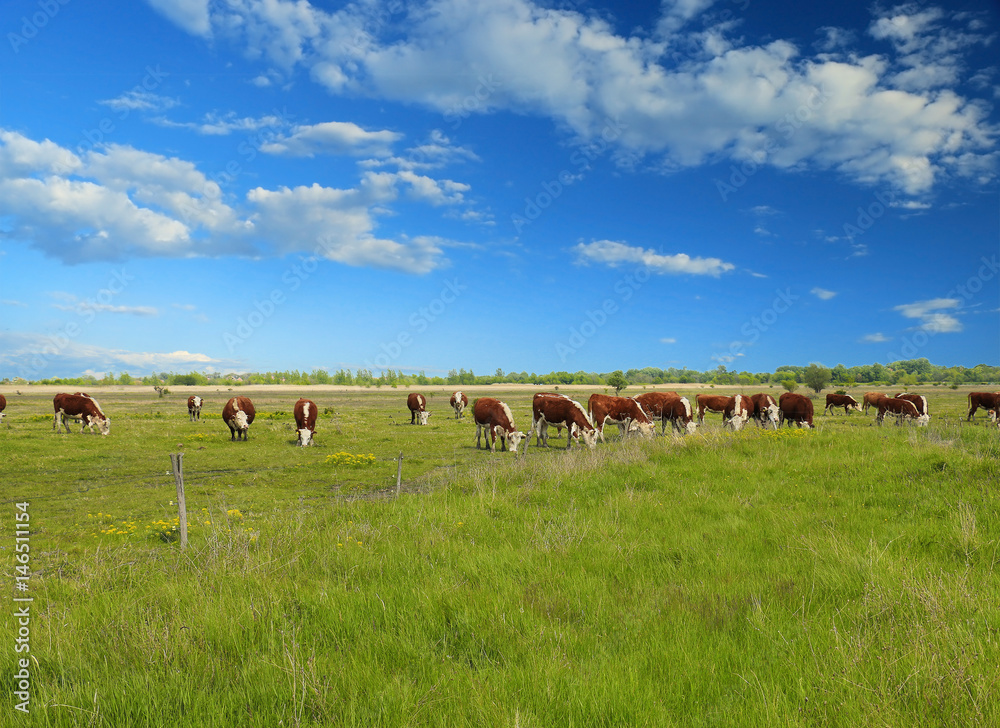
<point x="614" y="254"/>
<point x="191" y="15"/>
<point x="119" y="202"/>
<point x="332" y="137"/>
<point x="215" y="124"/>
<point x="139" y="100"/>
<point x="878" y="119"/>
<point x="668" y="340"/>
<point x="876" y="338"/>
<point x="823" y="294"/>
<point x="931" y="315"/>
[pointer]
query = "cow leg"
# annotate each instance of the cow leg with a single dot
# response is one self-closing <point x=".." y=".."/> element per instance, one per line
<point x="972" y="412"/>
<point x="479" y="429"/>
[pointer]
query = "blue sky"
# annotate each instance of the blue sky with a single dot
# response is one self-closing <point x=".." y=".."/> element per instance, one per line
<point x="233" y="186"/>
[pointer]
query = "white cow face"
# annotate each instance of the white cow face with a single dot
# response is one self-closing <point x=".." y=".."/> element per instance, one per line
<point x="422" y="417"/>
<point x="736" y="422"/>
<point x="103" y="425"/>
<point x="305" y="437"/>
<point x="589" y="437"/>
<point x="645" y="429"/>
<point x="771" y="415"/>
<point x="240" y="420"/>
<point x="514" y="439"/>
<point x="691" y="427"/>
<point x="923" y="420"/>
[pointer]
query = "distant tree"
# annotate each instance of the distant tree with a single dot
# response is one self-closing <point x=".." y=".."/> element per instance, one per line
<point x="617" y="380"/>
<point x="817" y="377"/>
<point x="790" y="384"/>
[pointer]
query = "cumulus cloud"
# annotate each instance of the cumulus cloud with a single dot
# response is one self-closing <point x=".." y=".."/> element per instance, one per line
<point x="686" y="94"/>
<point x="118" y="202"/>
<point x="823" y="294"/>
<point x="876" y="338"/>
<point x="615" y="254"/>
<point x="932" y="316"/>
<point x="333" y="137"/>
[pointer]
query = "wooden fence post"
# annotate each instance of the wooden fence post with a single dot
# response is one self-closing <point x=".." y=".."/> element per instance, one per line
<point x="176" y="464"/>
<point x="399" y="473"/>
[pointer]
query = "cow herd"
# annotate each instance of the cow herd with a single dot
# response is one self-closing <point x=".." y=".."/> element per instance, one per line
<point x="636" y="415"/>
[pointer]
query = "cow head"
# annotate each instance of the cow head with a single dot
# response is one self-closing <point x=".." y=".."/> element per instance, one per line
<point x="691" y="427"/>
<point x="588" y="437"/>
<point x="240" y="421"/>
<point x="305" y="437"/>
<point x="645" y="429"/>
<point x="103" y="424"/>
<point x="422" y="417"/>
<point x="771" y="415"/>
<point x="514" y="439"/>
<point x="923" y="420"/>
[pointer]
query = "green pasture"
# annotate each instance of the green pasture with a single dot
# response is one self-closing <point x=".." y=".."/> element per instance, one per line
<point x="844" y="576"/>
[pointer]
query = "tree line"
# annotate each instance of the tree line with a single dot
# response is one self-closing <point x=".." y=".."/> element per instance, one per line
<point x="814" y="375"/>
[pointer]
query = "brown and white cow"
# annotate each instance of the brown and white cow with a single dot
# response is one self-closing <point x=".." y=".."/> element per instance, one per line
<point x="494" y="417"/>
<point x="194" y="407"/>
<point x="3" y="406"/>
<point x="715" y="403"/>
<point x="305" y="421"/>
<point x="871" y="399"/>
<point x="549" y="408"/>
<point x="238" y="414"/>
<point x="765" y="410"/>
<point x="737" y="412"/>
<point x="668" y="407"/>
<point x="902" y="409"/>
<point x="459" y="402"/>
<point x="920" y="402"/>
<point x="417" y="404"/>
<point x="82" y="408"/>
<point x="841" y="400"/>
<point x="622" y="411"/>
<point x="795" y="408"/>
<point x="989" y="401"/>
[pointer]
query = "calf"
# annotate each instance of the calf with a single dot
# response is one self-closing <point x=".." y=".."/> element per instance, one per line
<point x="417" y="404"/>
<point x="765" y="410"/>
<point x="902" y="409"/>
<point x="795" y="408"/>
<point x="81" y="407"/>
<point x="558" y="409"/>
<point x="495" y="418"/>
<point x="194" y="407"/>
<point x="3" y="406"/>
<point x="305" y="421"/>
<point x="459" y="402"/>
<point x="737" y="412"/>
<point x="238" y="414"/>
<point x="622" y="411"/>
<point x="989" y="401"/>
<point x="668" y="406"/>
<point x="871" y="399"/>
<point x="841" y="400"/>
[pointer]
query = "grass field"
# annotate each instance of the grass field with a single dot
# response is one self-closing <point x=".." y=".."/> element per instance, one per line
<point x="843" y="576"/>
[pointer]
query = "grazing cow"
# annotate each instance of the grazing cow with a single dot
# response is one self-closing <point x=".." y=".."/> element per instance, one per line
<point x="711" y="403"/>
<point x="238" y="414"/>
<point x="305" y="421"/>
<point x="194" y="407"/>
<point x="668" y="407"/>
<point x="417" y="404"/>
<point x="622" y="411"/>
<point x="558" y="409"/>
<point x="3" y="406"/>
<point x="81" y="407"/>
<point x="737" y="412"/>
<point x="902" y="409"/>
<point x="871" y="399"/>
<point x="795" y="408"/>
<point x="841" y="400"/>
<point x="989" y="401"/>
<point x="495" y="418"/>
<point x="765" y="410"/>
<point x="459" y="402"/>
<point x="920" y="402"/>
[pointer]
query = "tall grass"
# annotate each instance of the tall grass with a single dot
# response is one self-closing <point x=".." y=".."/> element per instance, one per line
<point x="839" y="577"/>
